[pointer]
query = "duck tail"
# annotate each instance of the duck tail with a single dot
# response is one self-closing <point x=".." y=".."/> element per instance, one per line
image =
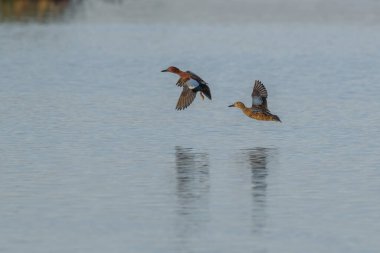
<point x="276" y="118"/>
<point x="206" y="91"/>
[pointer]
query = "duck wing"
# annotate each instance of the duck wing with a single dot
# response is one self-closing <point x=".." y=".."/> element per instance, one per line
<point x="186" y="98"/>
<point x="181" y="81"/>
<point x="259" y="95"/>
<point x="196" y="77"/>
<point x="203" y="85"/>
<point x="260" y="109"/>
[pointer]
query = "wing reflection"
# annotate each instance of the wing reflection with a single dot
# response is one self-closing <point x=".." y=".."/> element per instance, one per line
<point x="192" y="190"/>
<point x="257" y="160"/>
<point x="192" y="178"/>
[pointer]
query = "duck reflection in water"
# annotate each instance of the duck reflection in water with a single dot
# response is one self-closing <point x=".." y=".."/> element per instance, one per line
<point x="257" y="160"/>
<point x="192" y="174"/>
<point x="192" y="190"/>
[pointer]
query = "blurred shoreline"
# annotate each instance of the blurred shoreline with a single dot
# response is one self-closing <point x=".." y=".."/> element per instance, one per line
<point x="29" y="10"/>
<point x="195" y="11"/>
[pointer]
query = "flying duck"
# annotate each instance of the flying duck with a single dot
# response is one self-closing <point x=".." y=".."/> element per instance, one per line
<point x="191" y="84"/>
<point x="259" y="109"/>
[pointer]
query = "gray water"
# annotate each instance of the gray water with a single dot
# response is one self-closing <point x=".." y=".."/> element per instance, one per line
<point x="94" y="158"/>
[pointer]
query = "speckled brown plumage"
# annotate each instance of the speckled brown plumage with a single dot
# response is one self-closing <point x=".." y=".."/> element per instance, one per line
<point x="259" y="109"/>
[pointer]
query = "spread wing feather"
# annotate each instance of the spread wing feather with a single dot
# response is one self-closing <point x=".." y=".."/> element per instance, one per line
<point x="181" y="82"/>
<point x="186" y="98"/>
<point x="259" y="95"/>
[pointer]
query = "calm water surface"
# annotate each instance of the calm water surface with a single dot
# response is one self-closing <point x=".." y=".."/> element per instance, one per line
<point x="94" y="158"/>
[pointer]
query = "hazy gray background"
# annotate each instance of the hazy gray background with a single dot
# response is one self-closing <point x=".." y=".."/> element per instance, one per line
<point x="200" y="11"/>
<point x="319" y="11"/>
<point x="94" y="157"/>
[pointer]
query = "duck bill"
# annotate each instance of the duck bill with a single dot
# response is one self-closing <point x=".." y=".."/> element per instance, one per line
<point x="231" y="105"/>
<point x="165" y="70"/>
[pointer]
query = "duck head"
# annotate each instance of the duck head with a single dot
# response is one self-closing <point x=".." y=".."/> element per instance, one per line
<point x="172" y="69"/>
<point x="238" y="104"/>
